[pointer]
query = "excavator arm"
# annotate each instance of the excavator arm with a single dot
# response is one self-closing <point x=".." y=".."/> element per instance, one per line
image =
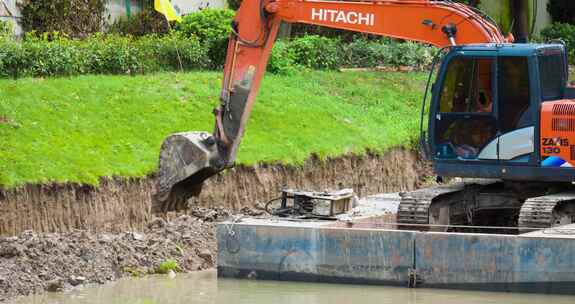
<point x="187" y="159"/>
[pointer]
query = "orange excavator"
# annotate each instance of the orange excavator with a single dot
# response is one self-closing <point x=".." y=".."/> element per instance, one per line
<point x="500" y="114"/>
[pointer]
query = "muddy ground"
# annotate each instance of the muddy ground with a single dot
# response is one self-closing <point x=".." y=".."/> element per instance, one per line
<point x="33" y="263"/>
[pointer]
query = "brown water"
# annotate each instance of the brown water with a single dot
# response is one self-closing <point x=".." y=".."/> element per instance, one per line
<point x="205" y="287"/>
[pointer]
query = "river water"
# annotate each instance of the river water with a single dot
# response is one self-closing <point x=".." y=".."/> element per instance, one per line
<point x="205" y="287"/>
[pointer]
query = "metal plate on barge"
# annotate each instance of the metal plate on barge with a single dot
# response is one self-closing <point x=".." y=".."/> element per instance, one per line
<point x="314" y="251"/>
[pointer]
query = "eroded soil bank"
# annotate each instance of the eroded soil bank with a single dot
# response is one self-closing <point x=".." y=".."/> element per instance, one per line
<point x="119" y="205"/>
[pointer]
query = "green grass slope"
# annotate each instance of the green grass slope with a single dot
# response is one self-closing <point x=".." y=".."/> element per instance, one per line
<point x="83" y="128"/>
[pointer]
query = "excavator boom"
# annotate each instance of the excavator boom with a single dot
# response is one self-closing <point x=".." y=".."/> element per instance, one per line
<point x="187" y="159"/>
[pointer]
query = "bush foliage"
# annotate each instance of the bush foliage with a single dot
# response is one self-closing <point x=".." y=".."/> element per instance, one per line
<point x="100" y="54"/>
<point x="53" y="55"/>
<point x="142" y="23"/>
<point x="199" y="42"/>
<point x="75" y="18"/>
<point x="212" y="27"/>
<point x="561" y="31"/>
<point x="316" y="52"/>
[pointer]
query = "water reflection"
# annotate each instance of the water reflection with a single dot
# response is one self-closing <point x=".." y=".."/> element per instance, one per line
<point x="205" y="287"/>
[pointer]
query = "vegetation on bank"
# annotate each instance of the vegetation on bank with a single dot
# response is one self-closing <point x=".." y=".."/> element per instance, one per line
<point x="114" y="54"/>
<point x="198" y="43"/>
<point x="83" y="128"/>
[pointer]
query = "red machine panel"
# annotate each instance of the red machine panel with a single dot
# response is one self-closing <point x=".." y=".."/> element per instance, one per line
<point x="558" y="133"/>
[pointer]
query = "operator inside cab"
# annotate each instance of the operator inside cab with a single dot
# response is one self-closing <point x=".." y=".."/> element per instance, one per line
<point x="467" y="121"/>
<point x="467" y="106"/>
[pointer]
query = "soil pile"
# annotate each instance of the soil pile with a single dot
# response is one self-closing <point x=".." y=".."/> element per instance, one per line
<point x="32" y="263"/>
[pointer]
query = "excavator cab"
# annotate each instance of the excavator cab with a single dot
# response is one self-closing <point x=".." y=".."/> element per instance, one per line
<point x="485" y="114"/>
<point x="502" y="118"/>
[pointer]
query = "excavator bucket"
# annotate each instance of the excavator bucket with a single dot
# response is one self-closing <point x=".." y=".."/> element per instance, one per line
<point x="186" y="160"/>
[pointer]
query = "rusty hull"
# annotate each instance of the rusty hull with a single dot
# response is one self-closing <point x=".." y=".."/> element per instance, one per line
<point x="316" y="252"/>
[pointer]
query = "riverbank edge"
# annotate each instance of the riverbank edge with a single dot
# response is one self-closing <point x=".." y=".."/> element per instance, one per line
<point x="124" y="204"/>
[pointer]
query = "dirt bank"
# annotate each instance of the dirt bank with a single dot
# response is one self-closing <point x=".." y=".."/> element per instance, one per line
<point x="123" y="204"/>
<point x="32" y="263"/>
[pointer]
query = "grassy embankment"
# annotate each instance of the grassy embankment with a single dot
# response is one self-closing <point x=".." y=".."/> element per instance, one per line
<point x="83" y="128"/>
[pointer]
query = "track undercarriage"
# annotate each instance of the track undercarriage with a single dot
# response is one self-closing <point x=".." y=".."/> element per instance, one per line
<point x="488" y="205"/>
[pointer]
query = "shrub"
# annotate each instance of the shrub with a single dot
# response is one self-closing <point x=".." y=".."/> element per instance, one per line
<point x="562" y="10"/>
<point x="367" y="53"/>
<point x="59" y="57"/>
<point x="143" y="23"/>
<point x="207" y="24"/>
<point x="325" y="53"/>
<point x="563" y="31"/>
<point x="302" y="30"/>
<point x="212" y="27"/>
<point x="411" y="54"/>
<point x="282" y="59"/>
<point x="13" y="59"/>
<point x="317" y="52"/>
<point x="165" y="53"/>
<point x="53" y="54"/>
<point x="111" y="54"/>
<point x="75" y="18"/>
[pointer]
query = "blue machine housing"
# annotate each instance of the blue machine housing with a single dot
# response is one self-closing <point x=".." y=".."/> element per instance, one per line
<point x="526" y="167"/>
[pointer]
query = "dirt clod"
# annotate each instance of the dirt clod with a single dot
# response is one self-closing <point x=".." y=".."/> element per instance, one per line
<point x="56" y="285"/>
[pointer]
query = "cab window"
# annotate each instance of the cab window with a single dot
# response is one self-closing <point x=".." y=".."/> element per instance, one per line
<point x="513" y="82"/>
<point x="551" y="73"/>
<point x="465" y="124"/>
<point x="468" y="86"/>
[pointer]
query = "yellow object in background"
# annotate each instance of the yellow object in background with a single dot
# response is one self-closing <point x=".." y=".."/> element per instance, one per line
<point x="165" y="8"/>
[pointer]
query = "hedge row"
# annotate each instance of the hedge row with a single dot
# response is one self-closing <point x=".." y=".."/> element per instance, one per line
<point x="318" y="52"/>
<point x="212" y="28"/>
<point x="112" y="54"/>
<point x="99" y="54"/>
<point x="198" y="42"/>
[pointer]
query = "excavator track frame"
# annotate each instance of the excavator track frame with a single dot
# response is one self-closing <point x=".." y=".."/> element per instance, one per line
<point x="528" y="206"/>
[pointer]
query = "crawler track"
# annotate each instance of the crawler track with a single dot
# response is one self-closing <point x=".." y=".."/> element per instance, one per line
<point x="488" y="203"/>
<point x="547" y="211"/>
<point x="414" y="207"/>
